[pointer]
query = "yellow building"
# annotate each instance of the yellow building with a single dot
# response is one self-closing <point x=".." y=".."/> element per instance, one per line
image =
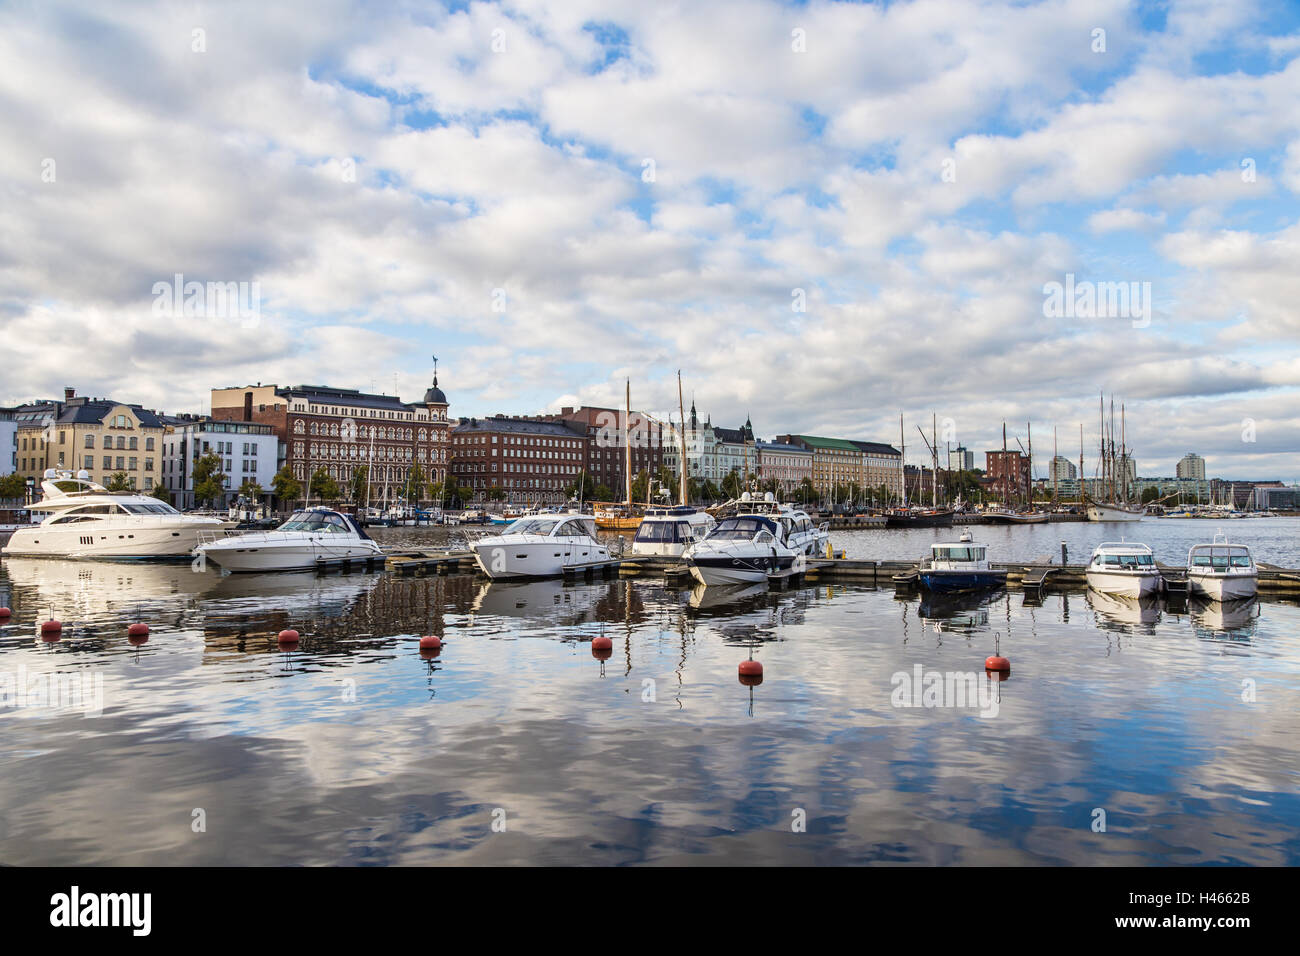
<point x="102" y="437"/>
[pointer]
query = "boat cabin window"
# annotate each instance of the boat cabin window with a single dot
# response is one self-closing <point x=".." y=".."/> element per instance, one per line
<point x="959" y="554"/>
<point x="574" y="528"/>
<point x="1127" y="560"/>
<point x="151" y="509"/>
<point x="663" y="532"/>
<point x="531" y="526"/>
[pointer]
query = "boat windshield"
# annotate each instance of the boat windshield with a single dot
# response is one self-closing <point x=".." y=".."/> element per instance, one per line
<point x="317" y="521"/>
<point x="1221" y="558"/>
<point x="962" y="553"/>
<point x="1130" y="560"/>
<point x="740" y="528"/>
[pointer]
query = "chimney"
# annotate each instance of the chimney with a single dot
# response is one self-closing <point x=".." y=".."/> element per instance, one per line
<point x="68" y="393"/>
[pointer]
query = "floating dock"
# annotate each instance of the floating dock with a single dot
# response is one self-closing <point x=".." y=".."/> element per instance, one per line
<point x="1031" y="576"/>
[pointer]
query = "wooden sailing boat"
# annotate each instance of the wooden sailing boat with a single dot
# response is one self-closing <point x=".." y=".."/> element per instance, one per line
<point x="1113" y="484"/>
<point x="621" y="517"/>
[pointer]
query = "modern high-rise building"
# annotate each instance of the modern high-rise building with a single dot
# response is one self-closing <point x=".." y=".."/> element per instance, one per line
<point x="961" y="459"/>
<point x="1192" y="466"/>
<point x="1061" y="469"/>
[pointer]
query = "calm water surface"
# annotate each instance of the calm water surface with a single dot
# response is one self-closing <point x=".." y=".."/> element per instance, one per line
<point x="352" y="749"/>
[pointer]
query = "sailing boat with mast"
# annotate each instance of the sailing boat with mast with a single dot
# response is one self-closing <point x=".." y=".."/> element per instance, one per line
<point x="916" y="517"/>
<point x="622" y="517"/>
<point x="1113" y="483"/>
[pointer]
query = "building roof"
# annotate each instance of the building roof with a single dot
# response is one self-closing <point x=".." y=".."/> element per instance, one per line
<point x="323" y="394"/>
<point x="94" y="411"/>
<point x="876" y="447"/>
<point x="515" y="426"/>
<point x="831" y="444"/>
<point x="781" y="447"/>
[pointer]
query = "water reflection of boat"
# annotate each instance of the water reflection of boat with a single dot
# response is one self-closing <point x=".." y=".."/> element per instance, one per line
<point x="1113" y="610"/>
<point x="86" y="587"/>
<point x="1234" y="619"/>
<point x="965" y="612"/>
<point x="706" y="597"/>
<point x="545" y="599"/>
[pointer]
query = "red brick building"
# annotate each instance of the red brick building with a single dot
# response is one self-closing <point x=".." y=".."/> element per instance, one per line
<point x="340" y="429"/>
<point x="1008" y="474"/>
<point x="534" y="462"/>
<point x="606" y="452"/>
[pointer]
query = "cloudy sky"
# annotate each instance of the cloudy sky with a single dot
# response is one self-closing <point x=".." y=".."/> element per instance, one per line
<point x="824" y="214"/>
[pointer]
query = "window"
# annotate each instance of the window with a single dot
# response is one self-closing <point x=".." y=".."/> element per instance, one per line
<point x="90" y="441"/>
<point x="148" y="444"/>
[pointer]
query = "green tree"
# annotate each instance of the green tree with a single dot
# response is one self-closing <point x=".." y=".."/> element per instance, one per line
<point x="323" y="486"/>
<point x="118" y="482"/>
<point x="583" y="487"/>
<point x="161" y="493"/>
<point x="209" y="484"/>
<point x="285" y="486"/>
<point x="640" y="485"/>
<point x="732" y="484"/>
<point x="495" y="493"/>
<point x="357" y="483"/>
<point x="1150" y="494"/>
<point x="709" y="491"/>
<point x="251" y="490"/>
<point x="603" y="492"/>
<point x="413" y="489"/>
<point x="13" y="486"/>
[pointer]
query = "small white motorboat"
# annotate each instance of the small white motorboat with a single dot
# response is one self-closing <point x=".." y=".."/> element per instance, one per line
<point x="1123" y="569"/>
<point x="311" y="538"/>
<point x="540" y="546"/>
<point x="668" y="532"/>
<point x="1221" y="571"/>
<point x="961" y="566"/>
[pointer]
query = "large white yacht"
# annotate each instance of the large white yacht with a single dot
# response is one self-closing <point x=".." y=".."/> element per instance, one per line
<point x="797" y="528"/>
<point x="1221" y="571"/>
<point x="86" y="520"/>
<point x="742" y="550"/>
<point x="311" y="538"/>
<point x="540" y="546"/>
<point x="667" y="532"/>
<point x="1128" y="570"/>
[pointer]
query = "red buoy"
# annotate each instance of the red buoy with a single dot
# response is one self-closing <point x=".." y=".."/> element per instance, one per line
<point x="751" y="673"/>
<point x="288" y="636"/>
<point x="998" y="665"/>
<point x="138" y="629"/>
<point x="5" y="612"/>
<point x="431" y="642"/>
<point x="601" y="648"/>
<point x="51" y="627"/>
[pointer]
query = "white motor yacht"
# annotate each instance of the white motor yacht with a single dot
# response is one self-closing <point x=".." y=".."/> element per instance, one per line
<point x="311" y="538"/>
<point x="540" y="546"/>
<point x="742" y="550"/>
<point x="1222" y="571"/>
<point x="86" y="520"/>
<point x="667" y="532"/>
<point x="1127" y="570"/>
<point x="798" y="530"/>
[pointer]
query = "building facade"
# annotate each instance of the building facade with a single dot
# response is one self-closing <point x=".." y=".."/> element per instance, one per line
<point x="1008" y="473"/>
<point x="341" y="430"/>
<point x="788" y="465"/>
<point x="702" y="461"/>
<point x="249" y="452"/>
<point x="961" y="459"/>
<point x="531" y="462"/>
<point x="1061" y="469"/>
<point x="1191" y="466"/>
<point x="605" y="445"/>
<point x="103" y="437"/>
<point x="836" y="462"/>
<point x="8" y="441"/>
<point x="881" y="465"/>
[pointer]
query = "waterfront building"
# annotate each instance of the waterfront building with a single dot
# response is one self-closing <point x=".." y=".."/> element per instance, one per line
<point x="734" y="451"/>
<point x="343" y="429"/>
<point x="1008" y="472"/>
<point x="1276" y="497"/>
<point x="701" y="450"/>
<point x="101" y="436"/>
<point x="531" y="462"/>
<point x="8" y="441"/>
<point x="605" y="450"/>
<point x="1191" y="466"/>
<point x="961" y="459"/>
<point x="249" y="452"/>
<point x="786" y="464"/>
<point x="879" y="466"/>
<point x="836" y="462"/>
<point x="1060" y="471"/>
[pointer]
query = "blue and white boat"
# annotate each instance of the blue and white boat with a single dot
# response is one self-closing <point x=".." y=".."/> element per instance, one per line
<point x="962" y="566"/>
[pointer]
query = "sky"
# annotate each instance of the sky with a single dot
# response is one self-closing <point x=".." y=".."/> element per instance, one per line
<point x="826" y="215"/>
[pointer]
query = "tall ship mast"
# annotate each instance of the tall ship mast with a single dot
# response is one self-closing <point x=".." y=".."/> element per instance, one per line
<point x="1113" y="484"/>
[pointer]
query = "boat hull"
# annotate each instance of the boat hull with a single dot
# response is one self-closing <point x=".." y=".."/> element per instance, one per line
<point x="955" y="582"/>
<point x="504" y="560"/>
<point x="1125" y="583"/>
<point x="1114" y="513"/>
<point x="264" y="557"/>
<point x="725" y="569"/>
<point x="161" y="541"/>
<point x="1223" y="587"/>
<point x="939" y="519"/>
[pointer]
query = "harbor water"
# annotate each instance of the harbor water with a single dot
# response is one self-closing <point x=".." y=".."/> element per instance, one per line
<point x="1126" y="734"/>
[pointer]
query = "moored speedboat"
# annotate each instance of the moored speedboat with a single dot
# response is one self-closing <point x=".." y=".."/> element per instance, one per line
<point x="311" y="538"/>
<point x="798" y="531"/>
<point x="667" y="532"/>
<point x="742" y="550"/>
<point x="958" y="567"/>
<point x="86" y="520"/>
<point x="1127" y="570"/>
<point x="1221" y="571"/>
<point x="540" y="546"/>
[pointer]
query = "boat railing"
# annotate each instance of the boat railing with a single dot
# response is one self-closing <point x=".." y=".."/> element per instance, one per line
<point x="1126" y="545"/>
